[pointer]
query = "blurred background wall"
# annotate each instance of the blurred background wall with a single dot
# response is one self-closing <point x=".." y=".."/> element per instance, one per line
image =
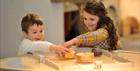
<point x="130" y="15"/>
<point x="59" y="17"/>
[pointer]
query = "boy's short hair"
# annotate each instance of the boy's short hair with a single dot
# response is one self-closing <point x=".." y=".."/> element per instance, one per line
<point x="29" y="20"/>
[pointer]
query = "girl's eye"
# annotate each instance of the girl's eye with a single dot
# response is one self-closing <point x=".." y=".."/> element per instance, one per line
<point x="92" y="19"/>
<point x="84" y="18"/>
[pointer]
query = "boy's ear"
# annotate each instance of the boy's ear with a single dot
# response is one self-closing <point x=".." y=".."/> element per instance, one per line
<point x="25" y="34"/>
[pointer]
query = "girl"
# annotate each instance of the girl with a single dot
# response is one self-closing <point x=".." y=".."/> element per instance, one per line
<point x="101" y="30"/>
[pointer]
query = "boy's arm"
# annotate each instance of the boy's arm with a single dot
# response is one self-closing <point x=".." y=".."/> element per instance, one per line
<point x="49" y="48"/>
<point x="30" y="46"/>
<point x="44" y="46"/>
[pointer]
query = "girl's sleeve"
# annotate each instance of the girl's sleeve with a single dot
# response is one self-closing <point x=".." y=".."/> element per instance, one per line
<point x="92" y="38"/>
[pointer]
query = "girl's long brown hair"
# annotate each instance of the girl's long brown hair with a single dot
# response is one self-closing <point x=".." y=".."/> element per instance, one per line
<point x="98" y="8"/>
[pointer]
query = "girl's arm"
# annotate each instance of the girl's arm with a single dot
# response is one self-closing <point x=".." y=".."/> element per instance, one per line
<point x="88" y="39"/>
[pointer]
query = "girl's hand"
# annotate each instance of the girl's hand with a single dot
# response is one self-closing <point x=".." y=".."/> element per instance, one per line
<point x="73" y="42"/>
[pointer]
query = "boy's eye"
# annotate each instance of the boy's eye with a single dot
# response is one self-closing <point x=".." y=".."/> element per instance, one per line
<point x="34" y="32"/>
<point x="41" y="31"/>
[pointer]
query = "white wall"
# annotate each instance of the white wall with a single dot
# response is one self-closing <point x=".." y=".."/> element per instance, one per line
<point x="11" y="12"/>
<point x="130" y="8"/>
<point x="56" y="29"/>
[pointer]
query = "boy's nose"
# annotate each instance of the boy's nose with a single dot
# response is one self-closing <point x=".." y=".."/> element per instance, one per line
<point x="39" y="37"/>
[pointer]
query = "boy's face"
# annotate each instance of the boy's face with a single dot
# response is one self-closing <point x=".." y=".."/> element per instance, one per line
<point x="35" y="33"/>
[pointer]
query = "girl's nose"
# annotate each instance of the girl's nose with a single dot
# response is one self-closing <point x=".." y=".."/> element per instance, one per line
<point x="87" y="21"/>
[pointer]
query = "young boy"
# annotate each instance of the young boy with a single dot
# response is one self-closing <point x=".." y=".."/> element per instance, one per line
<point x="32" y="28"/>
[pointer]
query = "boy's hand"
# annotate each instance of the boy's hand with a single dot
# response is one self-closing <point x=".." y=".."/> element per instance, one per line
<point x="60" y="49"/>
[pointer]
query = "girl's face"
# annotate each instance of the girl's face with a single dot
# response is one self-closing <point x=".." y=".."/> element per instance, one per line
<point x="35" y="33"/>
<point x="90" y="20"/>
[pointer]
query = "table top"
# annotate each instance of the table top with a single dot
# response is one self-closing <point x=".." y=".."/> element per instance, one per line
<point x="28" y="62"/>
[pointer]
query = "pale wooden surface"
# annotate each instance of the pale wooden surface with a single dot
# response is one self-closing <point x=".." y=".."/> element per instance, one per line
<point x="32" y="64"/>
<point x="28" y="62"/>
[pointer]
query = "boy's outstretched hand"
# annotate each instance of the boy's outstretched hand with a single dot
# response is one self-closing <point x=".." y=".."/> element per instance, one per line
<point x="61" y="50"/>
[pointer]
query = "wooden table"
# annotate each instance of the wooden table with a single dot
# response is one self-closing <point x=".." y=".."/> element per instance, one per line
<point x="27" y="62"/>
